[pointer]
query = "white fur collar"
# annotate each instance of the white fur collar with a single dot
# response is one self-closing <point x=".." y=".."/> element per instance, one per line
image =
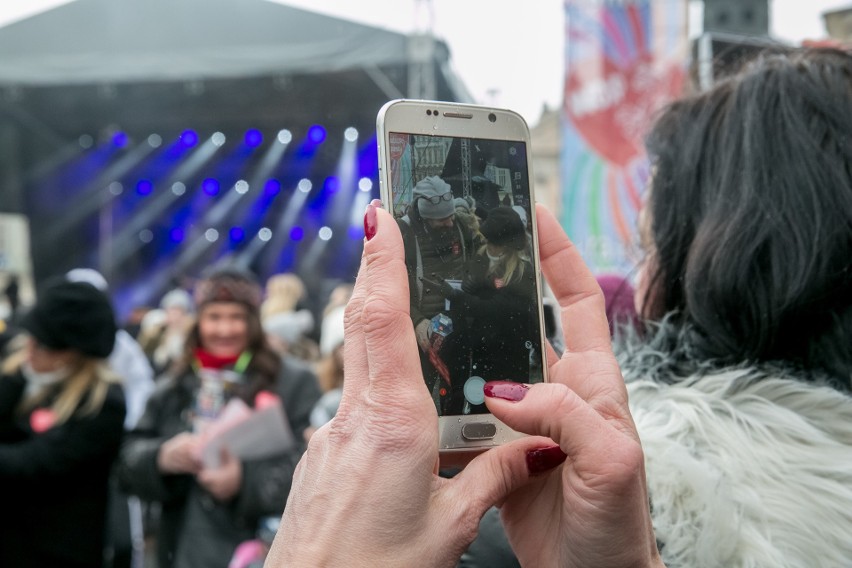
<point x="746" y="469"/>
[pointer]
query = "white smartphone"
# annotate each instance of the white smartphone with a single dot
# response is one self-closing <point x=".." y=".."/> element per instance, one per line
<point x="458" y="180"/>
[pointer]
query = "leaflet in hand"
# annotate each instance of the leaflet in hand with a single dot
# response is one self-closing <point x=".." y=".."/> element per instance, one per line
<point x="247" y="434"/>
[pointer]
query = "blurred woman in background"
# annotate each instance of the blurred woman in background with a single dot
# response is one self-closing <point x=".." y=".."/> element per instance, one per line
<point x="209" y="508"/>
<point x="61" y="422"/>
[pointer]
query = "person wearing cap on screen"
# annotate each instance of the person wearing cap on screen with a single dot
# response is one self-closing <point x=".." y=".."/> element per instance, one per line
<point x="437" y="246"/>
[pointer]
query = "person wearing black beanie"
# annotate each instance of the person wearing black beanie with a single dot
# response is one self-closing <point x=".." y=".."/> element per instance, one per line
<point x="61" y="422"/>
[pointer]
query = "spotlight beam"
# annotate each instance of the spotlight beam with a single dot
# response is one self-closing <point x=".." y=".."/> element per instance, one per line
<point x="280" y="233"/>
<point x="91" y="199"/>
<point x="126" y="243"/>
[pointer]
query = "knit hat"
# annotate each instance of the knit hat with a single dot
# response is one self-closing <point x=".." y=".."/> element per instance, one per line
<point x="503" y="227"/>
<point x="434" y="198"/>
<point x="228" y="285"/>
<point x="177" y="298"/>
<point x="466" y="204"/>
<point x="289" y="326"/>
<point x="72" y="315"/>
<point x="522" y="213"/>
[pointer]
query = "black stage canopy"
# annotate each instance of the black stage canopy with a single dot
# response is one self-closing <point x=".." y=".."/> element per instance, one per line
<point x="90" y="68"/>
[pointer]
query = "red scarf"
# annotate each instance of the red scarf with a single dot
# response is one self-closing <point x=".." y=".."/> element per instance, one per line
<point x="209" y="361"/>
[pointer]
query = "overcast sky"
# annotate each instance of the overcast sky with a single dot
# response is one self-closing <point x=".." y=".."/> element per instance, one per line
<point x="507" y="53"/>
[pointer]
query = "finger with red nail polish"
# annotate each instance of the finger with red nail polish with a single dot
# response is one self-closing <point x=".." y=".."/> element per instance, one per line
<point x="370" y="222"/>
<point x="541" y="460"/>
<point x="506" y="390"/>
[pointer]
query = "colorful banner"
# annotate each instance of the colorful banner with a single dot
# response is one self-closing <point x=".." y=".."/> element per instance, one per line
<point x="624" y="60"/>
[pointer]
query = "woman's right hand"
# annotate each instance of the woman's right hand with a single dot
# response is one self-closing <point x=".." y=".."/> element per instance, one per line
<point x="179" y="455"/>
<point x="593" y="510"/>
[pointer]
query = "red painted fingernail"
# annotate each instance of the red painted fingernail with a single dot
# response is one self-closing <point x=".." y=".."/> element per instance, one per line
<point x="506" y="390"/>
<point x="370" y="222"/>
<point x="377" y="203"/>
<point x="544" y="459"/>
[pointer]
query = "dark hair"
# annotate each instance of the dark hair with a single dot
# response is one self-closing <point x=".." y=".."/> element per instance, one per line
<point x="751" y="213"/>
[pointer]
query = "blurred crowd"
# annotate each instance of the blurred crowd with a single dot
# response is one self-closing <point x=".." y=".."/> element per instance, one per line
<point x="169" y="441"/>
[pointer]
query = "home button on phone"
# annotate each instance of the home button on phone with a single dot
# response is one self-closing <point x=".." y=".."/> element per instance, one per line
<point x="479" y="431"/>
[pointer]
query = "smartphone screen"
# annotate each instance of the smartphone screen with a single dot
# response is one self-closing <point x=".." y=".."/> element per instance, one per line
<point x="463" y="206"/>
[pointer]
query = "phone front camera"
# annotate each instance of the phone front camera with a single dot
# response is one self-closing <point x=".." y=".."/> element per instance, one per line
<point x="492" y="117"/>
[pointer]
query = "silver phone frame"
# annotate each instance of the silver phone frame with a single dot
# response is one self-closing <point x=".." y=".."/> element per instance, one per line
<point x="409" y="116"/>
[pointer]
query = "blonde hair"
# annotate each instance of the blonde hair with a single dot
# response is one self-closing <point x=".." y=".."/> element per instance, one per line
<point x="89" y="380"/>
<point x="512" y="268"/>
<point x="283" y="292"/>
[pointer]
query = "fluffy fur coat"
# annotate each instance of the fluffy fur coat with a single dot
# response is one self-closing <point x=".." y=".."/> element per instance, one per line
<point x="748" y="466"/>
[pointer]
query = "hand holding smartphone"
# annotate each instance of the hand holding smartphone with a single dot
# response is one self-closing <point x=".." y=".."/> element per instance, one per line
<point x="457" y="179"/>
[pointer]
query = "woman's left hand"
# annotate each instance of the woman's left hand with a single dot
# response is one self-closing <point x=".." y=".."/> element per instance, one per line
<point x="366" y="492"/>
<point x="224" y="481"/>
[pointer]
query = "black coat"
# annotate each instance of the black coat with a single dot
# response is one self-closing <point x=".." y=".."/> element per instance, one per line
<point x="195" y="529"/>
<point x="53" y="484"/>
<point x="502" y="322"/>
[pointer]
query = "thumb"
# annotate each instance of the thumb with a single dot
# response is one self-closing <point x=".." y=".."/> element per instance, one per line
<point x="225" y="456"/>
<point x="494" y="475"/>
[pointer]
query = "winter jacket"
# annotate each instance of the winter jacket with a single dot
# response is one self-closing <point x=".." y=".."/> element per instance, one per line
<point x="54" y="481"/>
<point x="195" y="529"/>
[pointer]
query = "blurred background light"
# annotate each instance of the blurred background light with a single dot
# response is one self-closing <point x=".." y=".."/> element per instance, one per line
<point x="253" y="138"/>
<point x="210" y="186"/>
<point x="316" y="134"/>
<point x="189" y="138"/>
<point x="144" y="187"/>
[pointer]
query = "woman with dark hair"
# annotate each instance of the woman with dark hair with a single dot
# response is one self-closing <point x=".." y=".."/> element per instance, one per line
<point x="741" y="394"/>
<point x="61" y="421"/>
<point x="208" y="510"/>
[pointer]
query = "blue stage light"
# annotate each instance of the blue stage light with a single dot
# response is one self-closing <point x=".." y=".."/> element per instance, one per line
<point x="189" y="138"/>
<point x="316" y="134"/>
<point x="210" y="186"/>
<point x="237" y="233"/>
<point x="144" y="187"/>
<point x="272" y="187"/>
<point x="119" y="139"/>
<point x="356" y="233"/>
<point x="176" y="235"/>
<point x="297" y="233"/>
<point x="253" y="138"/>
<point x="332" y="184"/>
